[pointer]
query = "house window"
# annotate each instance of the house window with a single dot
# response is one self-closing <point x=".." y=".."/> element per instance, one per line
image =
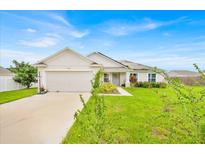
<point x="152" y="77"/>
<point x="106" y="77"/>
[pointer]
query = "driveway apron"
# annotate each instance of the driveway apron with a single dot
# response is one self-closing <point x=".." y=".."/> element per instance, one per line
<point x="40" y="118"/>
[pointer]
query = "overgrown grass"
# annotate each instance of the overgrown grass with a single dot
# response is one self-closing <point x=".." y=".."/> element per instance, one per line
<point x="9" y="96"/>
<point x="136" y="119"/>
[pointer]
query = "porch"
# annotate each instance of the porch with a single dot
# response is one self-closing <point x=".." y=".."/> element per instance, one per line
<point x="117" y="78"/>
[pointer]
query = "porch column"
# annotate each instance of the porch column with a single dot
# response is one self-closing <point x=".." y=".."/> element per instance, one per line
<point x="110" y="77"/>
<point x="39" y="81"/>
<point x="127" y="79"/>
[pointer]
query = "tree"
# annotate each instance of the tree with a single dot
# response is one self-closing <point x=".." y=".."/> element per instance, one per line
<point x="25" y="74"/>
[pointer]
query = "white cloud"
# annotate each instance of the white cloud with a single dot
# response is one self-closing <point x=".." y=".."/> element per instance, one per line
<point x="40" y="43"/>
<point x="30" y="30"/>
<point x="69" y="29"/>
<point x="60" y="18"/>
<point x="63" y="29"/>
<point x="54" y="35"/>
<point x="8" y="55"/>
<point x="167" y="61"/>
<point x="118" y="28"/>
<point x="174" y="61"/>
<point x="78" y="34"/>
<point x="175" y="56"/>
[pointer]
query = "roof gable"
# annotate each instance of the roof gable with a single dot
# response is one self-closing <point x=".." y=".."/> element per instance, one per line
<point x="66" y="57"/>
<point x="104" y="60"/>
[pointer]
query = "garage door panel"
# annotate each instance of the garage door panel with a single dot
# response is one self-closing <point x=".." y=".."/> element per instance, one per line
<point x="69" y="81"/>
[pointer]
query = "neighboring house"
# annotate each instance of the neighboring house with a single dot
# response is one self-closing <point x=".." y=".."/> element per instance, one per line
<point x="6" y="80"/>
<point x="187" y="77"/>
<point x="183" y="73"/>
<point x="67" y="70"/>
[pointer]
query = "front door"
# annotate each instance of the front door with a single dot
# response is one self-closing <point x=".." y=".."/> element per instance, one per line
<point x="116" y="79"/>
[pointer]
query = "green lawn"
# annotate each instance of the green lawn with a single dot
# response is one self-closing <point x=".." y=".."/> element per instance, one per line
<point x="9" y="96"/>
<point x="135" y="119"/>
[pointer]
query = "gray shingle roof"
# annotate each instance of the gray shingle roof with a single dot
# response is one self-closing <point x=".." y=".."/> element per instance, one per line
<point x="5" y="72"/>
<point x="135" y="66"/>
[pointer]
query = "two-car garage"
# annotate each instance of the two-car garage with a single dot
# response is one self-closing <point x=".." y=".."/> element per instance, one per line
<point x="69" y="81"/>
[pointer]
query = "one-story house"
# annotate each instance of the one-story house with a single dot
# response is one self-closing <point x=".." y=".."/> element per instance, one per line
<point x="70" y="71"/>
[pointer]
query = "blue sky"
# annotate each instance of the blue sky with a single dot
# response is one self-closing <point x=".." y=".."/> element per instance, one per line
<point x="166" y="39"/>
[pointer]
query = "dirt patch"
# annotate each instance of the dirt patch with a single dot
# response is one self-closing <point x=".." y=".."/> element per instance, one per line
<point x="160" y="133"/>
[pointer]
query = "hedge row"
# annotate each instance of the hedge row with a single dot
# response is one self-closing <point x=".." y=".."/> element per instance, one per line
<point x="149" y="84"/>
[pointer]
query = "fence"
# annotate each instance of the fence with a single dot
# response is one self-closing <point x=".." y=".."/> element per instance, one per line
<point x="7" y="83"/>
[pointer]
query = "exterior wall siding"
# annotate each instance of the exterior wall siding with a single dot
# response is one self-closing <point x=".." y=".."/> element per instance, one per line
<point x="142" y="77"/>
<point x="160" y="78"/>
<point x="7" y="83"/>
<point x="122" y="78"/>
<point x="67" y="60"/>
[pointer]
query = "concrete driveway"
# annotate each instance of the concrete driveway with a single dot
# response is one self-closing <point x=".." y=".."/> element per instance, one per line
<point x="40" y="118"/>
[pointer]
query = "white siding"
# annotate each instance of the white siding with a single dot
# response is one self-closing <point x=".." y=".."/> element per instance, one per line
<point x="142" y="77"/>
<point x="160" y="78"/>
<point x="67" y="60"/>
<point x="68" y="68"/>
<point x="7" y="83"/>
<point x="122" y="78"/>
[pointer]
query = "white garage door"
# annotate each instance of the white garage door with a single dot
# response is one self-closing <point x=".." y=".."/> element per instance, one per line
<point x="69" y="81"/>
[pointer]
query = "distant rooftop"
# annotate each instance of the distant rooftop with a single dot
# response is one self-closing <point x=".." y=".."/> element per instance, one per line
<point x="5" y="72"/>
<point x="135" y="66"/>
<point x="183" y="73"/>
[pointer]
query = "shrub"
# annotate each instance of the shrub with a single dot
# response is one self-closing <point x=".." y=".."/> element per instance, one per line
<point x="109" y="88"/>
<point x="138" y="84"/>
<point x="162" y="85"/>
<point x="154" y="85"/>
<point x="123" y="85"/>
<point x="150" y="85"/>
<point x="146" y="85"/>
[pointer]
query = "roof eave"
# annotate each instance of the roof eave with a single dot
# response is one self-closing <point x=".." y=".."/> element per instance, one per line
<point x="99" y="53"/>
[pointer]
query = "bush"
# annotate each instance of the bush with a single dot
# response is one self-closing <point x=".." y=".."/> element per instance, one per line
<point x="162" y="85"/>
<point x="146" y="85"/>
<point x="150" y="84"/>
<point x="109" y="88"/>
